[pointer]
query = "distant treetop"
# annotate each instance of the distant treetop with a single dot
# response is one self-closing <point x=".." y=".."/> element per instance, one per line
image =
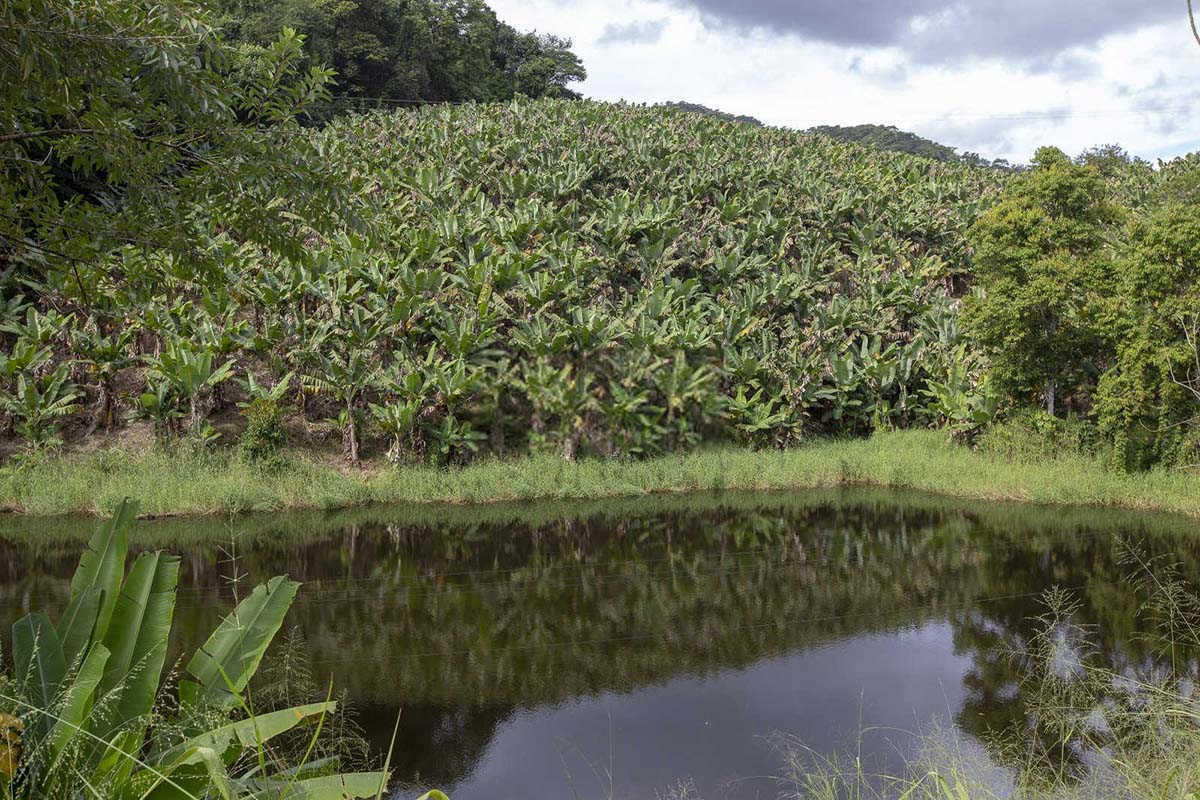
<point x="696" y="108"/>
<point x="412" y="51"/>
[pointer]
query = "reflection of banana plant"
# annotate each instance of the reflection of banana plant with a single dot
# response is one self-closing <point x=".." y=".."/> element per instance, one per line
<point x="36" y="405"/>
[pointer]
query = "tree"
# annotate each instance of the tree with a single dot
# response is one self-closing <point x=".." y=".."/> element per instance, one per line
<point x="1147" y="403"/>
<point x="1040" y="270"/>
<point x="413" y="50"/>
<point x="114" y="114"/>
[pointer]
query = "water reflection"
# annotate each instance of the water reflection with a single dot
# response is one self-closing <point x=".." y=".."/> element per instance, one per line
<point x="610" y="650"/>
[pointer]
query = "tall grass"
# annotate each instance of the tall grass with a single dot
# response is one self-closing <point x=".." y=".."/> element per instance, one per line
<point x="181" y="482"/>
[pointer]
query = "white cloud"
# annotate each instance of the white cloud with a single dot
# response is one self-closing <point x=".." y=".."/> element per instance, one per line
<point x="1133" y="88"/>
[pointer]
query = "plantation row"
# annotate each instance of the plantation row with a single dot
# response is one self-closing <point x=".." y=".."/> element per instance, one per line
<point x="583" y="277"/>
<point x="613" y="280"/>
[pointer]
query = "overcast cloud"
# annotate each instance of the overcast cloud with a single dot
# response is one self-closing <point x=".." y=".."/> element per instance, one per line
<point x="646" y="31"/>
<point x="1000" y="78"/>
<point x="938" y="32"/>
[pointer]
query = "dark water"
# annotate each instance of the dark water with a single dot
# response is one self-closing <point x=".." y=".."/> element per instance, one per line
<point x="626" y="649"/>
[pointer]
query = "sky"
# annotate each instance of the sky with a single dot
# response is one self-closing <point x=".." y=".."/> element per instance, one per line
<point x="996" y="77"/>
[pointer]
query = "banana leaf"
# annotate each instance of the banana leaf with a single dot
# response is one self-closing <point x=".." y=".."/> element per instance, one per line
<point x="247" y="733"/>
<point x="226" y="662"/>
<point x="96" y="583"/>
<point x="72" y="713"/>
<point x="39" y="667"/>
<point x="328" y="787"/>
<point x="137" y="638"/>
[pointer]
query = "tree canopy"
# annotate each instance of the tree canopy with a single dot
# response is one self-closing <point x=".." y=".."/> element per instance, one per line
<point x="413" y="50"/>
<point x="115" y="115"/>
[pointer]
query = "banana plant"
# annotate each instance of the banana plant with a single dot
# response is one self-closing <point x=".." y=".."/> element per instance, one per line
<point x="183" y="377"/>
<point x="345" y="373"/>
<point x="757" y="419"/>
<point x="104" y="355"/>
<point x="398" y="420"/>
<point x="37" y="404"/>
<point x="85" y="693"/>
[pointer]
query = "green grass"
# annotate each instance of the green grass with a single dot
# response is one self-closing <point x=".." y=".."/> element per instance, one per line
<point x="168" y="483"/>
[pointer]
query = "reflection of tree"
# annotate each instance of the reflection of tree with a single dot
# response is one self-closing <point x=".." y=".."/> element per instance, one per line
<point x="1110" y="628"/>
<point x="435" y="745"/>
<point x="460" y="621"/>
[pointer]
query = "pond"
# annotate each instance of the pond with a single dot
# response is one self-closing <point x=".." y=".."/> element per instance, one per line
<point x="631" y="649"/>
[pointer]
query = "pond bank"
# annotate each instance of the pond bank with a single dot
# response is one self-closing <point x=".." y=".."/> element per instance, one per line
<point x="168" y="483"/>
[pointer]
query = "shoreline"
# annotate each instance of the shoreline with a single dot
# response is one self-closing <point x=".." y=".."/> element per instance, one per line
<point x="177" y="484"/>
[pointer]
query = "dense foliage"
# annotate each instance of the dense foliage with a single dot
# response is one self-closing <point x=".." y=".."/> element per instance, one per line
<point x="1088" y="300"/>
<point x="412" y="50"/>
<point x="543" y="275"/>
<point x="580" y="277"/>
<point x="134" y="123"/>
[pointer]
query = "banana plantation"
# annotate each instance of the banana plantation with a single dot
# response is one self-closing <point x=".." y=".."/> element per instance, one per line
<point x="581" y="278"/>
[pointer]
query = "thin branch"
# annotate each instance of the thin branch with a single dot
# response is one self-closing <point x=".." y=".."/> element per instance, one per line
<point x="1192" y="19"/>
<point x="72" y="260"/>
<point x="13" y="137"/>
<point x="118" y="37"/>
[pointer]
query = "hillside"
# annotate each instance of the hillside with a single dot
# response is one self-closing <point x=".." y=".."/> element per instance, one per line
<point x="885" y="137"/>
<point x="696" y="108"/>
<point x="889" y="137"/>
<point x="578" y="277"/>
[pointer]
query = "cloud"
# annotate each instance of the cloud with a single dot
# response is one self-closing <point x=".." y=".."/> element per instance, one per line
<point x="645" y="31"/>
<point x="1032" y="32"/>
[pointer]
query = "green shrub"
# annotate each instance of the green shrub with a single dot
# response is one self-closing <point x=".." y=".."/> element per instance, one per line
<point x="1034" y="435"/>
<point x="263" y="440"/>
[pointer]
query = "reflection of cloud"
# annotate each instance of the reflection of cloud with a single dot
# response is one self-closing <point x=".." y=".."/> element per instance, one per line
<point x="645" y="31"/>
<point x="1032" y="32"/>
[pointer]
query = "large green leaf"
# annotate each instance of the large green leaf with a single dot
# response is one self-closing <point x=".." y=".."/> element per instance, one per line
<point x="327" y="787"/>
<point x="247" y="733"/>
<point x="39" y="666"/>
<point x="202" y="775"/>
<point x="100" y="570"/>
<point x="137" y="637"/>
<point x="77" y="700"/>
<point x="227" y="661"/>
<point x="78" y="621"/>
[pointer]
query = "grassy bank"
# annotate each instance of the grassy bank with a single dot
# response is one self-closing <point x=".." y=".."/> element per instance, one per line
<point x="178" y="483"/>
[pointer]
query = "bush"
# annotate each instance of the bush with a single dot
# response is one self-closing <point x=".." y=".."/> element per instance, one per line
<point x="264" y="437"/>
<point x="1034" y="435"/>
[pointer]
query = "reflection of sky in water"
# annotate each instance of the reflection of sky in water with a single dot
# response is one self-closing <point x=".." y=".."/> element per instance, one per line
<point x="714" y="730"/>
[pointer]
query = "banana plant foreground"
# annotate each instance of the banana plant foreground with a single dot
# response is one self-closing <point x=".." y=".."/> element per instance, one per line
<point x="84" y="713"/>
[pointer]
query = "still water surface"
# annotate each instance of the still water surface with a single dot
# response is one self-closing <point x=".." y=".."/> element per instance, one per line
<point x="635" y="649"/>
